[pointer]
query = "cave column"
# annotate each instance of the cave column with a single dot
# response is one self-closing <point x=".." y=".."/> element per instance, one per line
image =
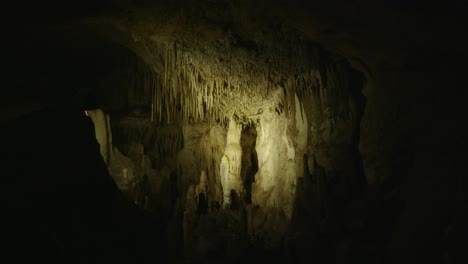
<point x="231" y="162"/>
<point x="280" y="147"/>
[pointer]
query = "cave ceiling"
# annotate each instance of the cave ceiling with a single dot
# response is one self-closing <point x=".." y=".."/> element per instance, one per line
<point x="247" y="46"/>
<point x="377" y="34"/>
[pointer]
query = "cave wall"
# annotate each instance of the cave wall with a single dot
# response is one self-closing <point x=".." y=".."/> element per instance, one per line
<point x="203" y="150"/>
<point x="280" y="146"/>
<point x="417" y="172"/>
<point x="410" y="137"/>
<point x="303" y="103"/>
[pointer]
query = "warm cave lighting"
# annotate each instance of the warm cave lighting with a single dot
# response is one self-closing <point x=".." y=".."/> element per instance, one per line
<point x="234" y="131"/>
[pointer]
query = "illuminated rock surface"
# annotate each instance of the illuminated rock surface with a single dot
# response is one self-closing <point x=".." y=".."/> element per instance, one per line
<point x="292" y="131"/>
<point x="231" y="163"/>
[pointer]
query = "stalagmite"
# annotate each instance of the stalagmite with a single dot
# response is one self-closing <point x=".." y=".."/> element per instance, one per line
<point x="231" y="165"/>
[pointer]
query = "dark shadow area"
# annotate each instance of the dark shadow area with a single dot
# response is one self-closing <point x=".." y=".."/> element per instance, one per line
<point x="202" y="204"/>
<point x="53" y="11"/>
<point x="235" y="201"/>
<point x="59" y="203"/>
<point x="249" y="160"/>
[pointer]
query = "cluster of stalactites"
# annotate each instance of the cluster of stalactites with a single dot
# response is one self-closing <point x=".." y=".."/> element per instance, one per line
<point x="196" y="86"/>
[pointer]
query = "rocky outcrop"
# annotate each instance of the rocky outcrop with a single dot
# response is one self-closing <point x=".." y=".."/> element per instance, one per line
<point x="203" y="149"/>
<point x="120" y="167"/>
<point x="133" y="173"/>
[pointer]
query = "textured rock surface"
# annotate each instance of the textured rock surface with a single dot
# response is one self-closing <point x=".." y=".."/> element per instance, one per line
<point x="381" y="173"/>
<point x="120" y="167"/>
<point x="203" y="148"/>
<point x="276" y="178"/>
<point x="231" y="164"/>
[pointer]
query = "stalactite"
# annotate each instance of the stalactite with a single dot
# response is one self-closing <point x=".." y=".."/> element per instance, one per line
<point x="195" y="85"/>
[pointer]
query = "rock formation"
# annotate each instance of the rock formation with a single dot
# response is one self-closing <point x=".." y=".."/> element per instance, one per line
<point x="306" y="131"/>
<point x="231" y="163"/>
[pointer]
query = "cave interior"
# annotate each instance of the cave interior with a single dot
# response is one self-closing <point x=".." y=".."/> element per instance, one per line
<point x="139" y="131"/>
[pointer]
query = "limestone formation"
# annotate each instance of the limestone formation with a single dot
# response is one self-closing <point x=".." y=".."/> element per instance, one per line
<point x="231" y="163"/>
<point x="120" y="167"/>
<point x="102" y="129"/>
<point x="202" y="186"/>
<point x="324" y="131"/>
